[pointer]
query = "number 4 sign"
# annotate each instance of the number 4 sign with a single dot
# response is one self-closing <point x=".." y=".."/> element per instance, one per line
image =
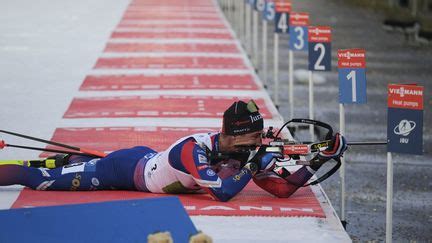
<point x="352" y="76"/>
<point x="319" y="48"/>
<point x="283" y="8"/>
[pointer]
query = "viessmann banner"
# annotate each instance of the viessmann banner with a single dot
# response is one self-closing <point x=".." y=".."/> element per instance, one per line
<point x="405" y="119"/>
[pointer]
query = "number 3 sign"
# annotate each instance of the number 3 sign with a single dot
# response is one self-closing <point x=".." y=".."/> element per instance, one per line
<point x="352" y="76"/>
<point x="299" y="31"/>
<point x="319" y="48"/>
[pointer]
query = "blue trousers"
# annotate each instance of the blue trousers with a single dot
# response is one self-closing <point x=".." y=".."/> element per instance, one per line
<point x="115" y="171"/>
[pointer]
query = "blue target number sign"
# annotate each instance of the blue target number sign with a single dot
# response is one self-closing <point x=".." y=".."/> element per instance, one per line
<point x="298" y="31"/>
<point x="283" y="9"/>
<point x="352" y="76"/>
<point x="259" y="5"/>
<point x="319" y="48"/>
<point x="269" y="11"/>
<point x="282" y="23"/>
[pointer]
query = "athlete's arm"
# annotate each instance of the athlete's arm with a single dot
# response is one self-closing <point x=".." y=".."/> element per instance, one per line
<point x="283" y="184"/>
<point x="195" y="161"/>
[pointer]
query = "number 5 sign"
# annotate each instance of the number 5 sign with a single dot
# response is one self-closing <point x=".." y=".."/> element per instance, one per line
<point x="352" y="76"/>
<point x="283" y="8"/>
<point x="269" y="10"/>
<point x="319" y="48"/>
<point x="298" y="31"/>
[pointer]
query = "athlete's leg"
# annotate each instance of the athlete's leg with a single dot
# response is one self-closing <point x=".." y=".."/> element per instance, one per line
<point x="112" y="172"/>
<point x="17" y="174"/>
<point x="68" y="177"/>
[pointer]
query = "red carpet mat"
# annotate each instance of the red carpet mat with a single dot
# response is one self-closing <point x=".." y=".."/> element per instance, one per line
<point x="252" y="201"/>
<point x="144" y="15"/>
<point x="113" y="138"/>
<point x="174" y="81"/>
<point x="171" y="62"/>
<point x="171" y="24"/>
<point x="184" y="47"/>
<point x="155" y="106"/>
<point x="172" y="34"/>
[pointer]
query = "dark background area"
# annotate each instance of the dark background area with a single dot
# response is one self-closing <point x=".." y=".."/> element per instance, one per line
<point x="391" y="57"/>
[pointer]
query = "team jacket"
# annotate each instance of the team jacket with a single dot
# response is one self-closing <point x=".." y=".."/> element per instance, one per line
<point x="185" y="167"/>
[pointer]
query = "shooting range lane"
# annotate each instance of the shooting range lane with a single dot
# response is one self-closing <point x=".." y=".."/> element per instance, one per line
<point x="108" y="139"/>
<point x="118" y="65"/>
<point x="154" y="106"/>
<point x="252" y="201"/>
<point x="184" y="48"/>
<point x="173" y="81"/>
<point x="170" y="62"/>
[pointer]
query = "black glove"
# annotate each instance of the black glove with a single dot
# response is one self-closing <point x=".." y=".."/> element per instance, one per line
<point x="335" y="150"/>
<point x="264" y="160"/>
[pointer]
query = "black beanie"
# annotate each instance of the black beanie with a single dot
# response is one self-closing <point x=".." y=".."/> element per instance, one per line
<point x="241" y="118"/>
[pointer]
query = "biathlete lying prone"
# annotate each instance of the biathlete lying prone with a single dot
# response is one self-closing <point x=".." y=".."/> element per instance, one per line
<point x="189" y="165"/>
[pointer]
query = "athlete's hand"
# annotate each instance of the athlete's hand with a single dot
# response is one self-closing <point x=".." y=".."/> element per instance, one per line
<point x="337" y="147"/>
<point x="264" y="160"/>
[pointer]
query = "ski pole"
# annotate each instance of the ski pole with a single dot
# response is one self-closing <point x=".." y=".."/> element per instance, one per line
<point x="3" y="144"/>
<point x="83" y="150"/>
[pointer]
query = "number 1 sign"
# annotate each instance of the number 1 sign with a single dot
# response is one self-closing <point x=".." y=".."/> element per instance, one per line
<point x="319" y="48"/>
<point x="352" y="76"/>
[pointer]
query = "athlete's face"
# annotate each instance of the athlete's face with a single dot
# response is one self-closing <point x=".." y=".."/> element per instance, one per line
<point x="251" y="140"/>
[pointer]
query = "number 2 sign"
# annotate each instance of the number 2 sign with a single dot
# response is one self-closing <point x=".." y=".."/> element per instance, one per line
<point x="352" y="76"/>
<point x="298" y="31"/>
<point x="319" y="48"/>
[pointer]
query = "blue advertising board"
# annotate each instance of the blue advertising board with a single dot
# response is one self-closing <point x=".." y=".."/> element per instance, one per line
<point x="405" y="119"/>
<point x="117" y="221"/>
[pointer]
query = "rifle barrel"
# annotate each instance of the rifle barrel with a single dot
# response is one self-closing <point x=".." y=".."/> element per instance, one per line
<point x="368" y="143"/>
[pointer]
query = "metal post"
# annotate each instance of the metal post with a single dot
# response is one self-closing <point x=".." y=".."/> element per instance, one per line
<point x="255" y="39"/>
<point x="311" y="105"/>
<point x="389" y="208"/>
<point x="276" y="69"/>
<point x="264" y="53"/>
<point x="342" y="169"/>
<point x="238" y="18"/>
<point x="414" y="8"/>
<point x="241" y="21"/>
<point x="291" y="82"/>
<point x="248" y="29"/>
<point x="230" y="14"/>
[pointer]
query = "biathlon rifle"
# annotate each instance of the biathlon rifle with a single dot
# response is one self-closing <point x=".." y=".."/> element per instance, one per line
<point x="294" y="150"/>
